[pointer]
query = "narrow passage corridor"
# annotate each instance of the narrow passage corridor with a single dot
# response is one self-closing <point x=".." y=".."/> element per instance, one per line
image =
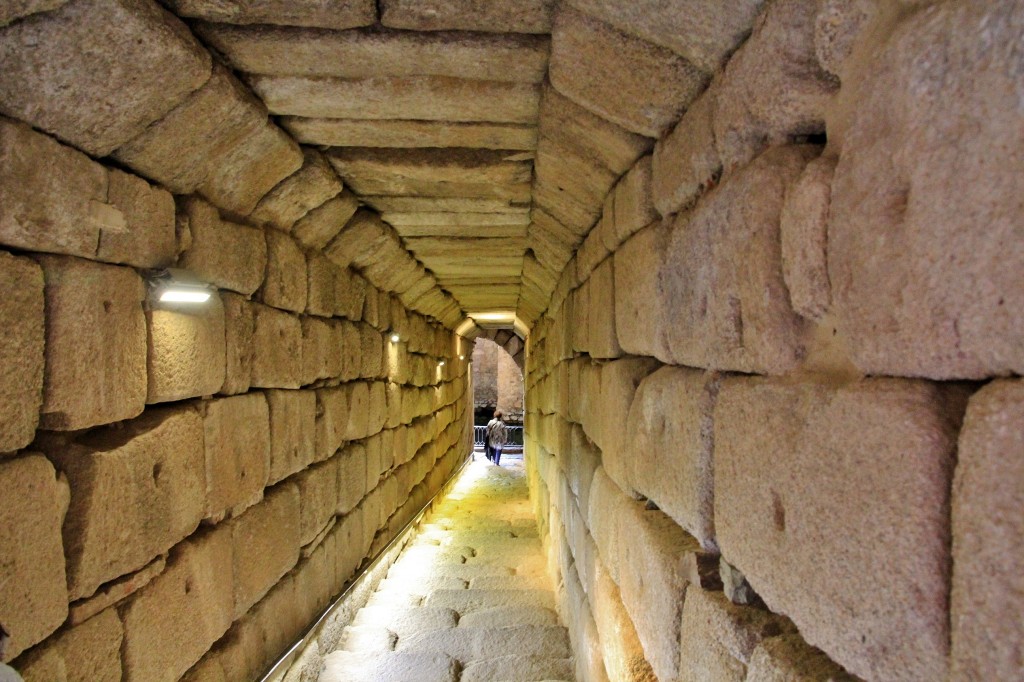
<point x="468" y="601"/>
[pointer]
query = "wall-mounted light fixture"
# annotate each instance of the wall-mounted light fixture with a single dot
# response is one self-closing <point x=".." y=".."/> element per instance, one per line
<point x="395" y="338"/>
<point x="462" y="357"/>
<point x="173" y="285"/>
<point x="441" y="364"/>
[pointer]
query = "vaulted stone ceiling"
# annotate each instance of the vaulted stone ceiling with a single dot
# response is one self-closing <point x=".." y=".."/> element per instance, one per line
<point x="487" y="133"/>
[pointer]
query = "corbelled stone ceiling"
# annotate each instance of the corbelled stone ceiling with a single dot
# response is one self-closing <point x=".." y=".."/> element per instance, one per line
<point x="488" y="134"/>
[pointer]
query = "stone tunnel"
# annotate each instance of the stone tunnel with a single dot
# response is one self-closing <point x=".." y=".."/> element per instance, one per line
<point x="761" y="261"/>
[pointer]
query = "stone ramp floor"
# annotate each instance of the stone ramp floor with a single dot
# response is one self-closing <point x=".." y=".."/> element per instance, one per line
<point x="469" y="600"/>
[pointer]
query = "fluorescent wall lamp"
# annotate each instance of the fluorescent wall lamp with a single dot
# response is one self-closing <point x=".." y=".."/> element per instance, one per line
<point x="173" y="285"/>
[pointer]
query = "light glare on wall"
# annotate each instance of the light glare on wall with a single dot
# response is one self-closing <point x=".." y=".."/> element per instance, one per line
<point x="173" y="285"/>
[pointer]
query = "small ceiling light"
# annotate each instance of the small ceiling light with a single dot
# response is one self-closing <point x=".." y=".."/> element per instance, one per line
<point x="395" y="338"/>
<point x="173" y="285"/>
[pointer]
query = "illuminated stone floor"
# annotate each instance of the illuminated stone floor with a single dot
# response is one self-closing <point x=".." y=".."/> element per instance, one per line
<point x="468" y="601"/>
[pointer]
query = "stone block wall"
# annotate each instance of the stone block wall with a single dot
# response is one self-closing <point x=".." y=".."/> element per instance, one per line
<point x="184" y="489"/>
<point x="774" y="401"/>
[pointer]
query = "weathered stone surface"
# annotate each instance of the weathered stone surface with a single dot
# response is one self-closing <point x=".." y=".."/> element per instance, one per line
<point x="277" y="348"/>
<point x="836" y="29"/>
<point x="788" y="657"/>
<point x="95" y="336"/>
<point x="702" y="656"/>
<point x="35" y="601"/>
<point x="193" y="597"/>
<point x="336" y="14"/>
<point x="376" y="54"/>
<point x="685" y="162"/>
<point x="670" y="443"/>
<point x="631" y="207"/>
<point x="370" y="133"/>
<point x="144" y="481"/>
<point x="804" y="232"/>
<point x="426" y="98"/>
<point x="323" y="223"/>
<point x="801" y="500"/>
<point x="21" y="352"/>
<point x="603" y="341"/>
<point x="238" y="343"/>
<point x="394" y="167"/>
<point x="90" y="650"/>
<point x="917" y="289"/>
<point x="115" y="591"/>
<point x="299" y="193"/>
<point x="639" y="86"/>
<point x="186" y="350"/>
<point x="148" y="238"/>
<point x="252" y="168"/>
<point x="285" y="283"/>
<point x="186" y="146"/>
<point x="52" y="198"/>
<point x="722" y="282"/>
<point x="292" y="432"/>
<point x="237" y="445"/>
<point x="618" y="383"/>
<point x="16" y="9"/>
<point x="265" y="545"/>
<point x="227" y="254"/>
<point x="323" y="356"/>
<point x="988" y="535"/>
<point x="773" y="88"/>
<point x="100" y="71"/>
<point x="621" y="650"/>
<point x="428" y="667"/>
<point x="573" y="173"/>
<point x="696" y="29"/>
<point x="519" y="16"/>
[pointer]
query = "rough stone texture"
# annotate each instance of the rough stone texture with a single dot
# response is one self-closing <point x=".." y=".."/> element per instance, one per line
<point x="618" y="383"/>
<point x="803" y="500"/>
<point x="238" y="332"/>
<point x="186" y="146"/>
<point x="375" y="54"/>
<point x="52" y="197"/>
<point x="804" y="232"/>
<point x="298" y="194"/>
<point x="773" y="88"/>
<point x="227" y="254"/>
<point x="35" y="593"/>
<point x="16" y="9"/>
<point x="277" y="348"/>
<point x="988" y="535"/>
<point x="148" y="239"/>
<point x="603" y="340"/>
<point x="739" y="630"/>
<point x="265" y="545"/>
<point x="89" y="651"/>
<point x="237" y="444"/>
<point x="696" y="29"/>
<point x="336" y="14"/>
<point x="100" y="71"/>
<point x="369" y="133"/>
<point x="292" y="431"/>
<point x="285" y="283"/>
<point x="641" y="317"/>
<point x="917" y="288"/>
<point x="144" y="481"/>
<point x="426" y="98"/>
<point x="21" y="352"/>
<point x="686" y="162"/>
<point x="669" y="447"/>
<point x="322" y="224"/>
<point x="252" y="168"/>
<point x="620" y="648"/>
<point x="788" y="657"/>
<point x="518" y="16"/>
<point x="702" y="655"/>
<point x="639" y="86"/>
<point x="836" y="29"/>
<point x="115" y="591"/>
<point x="96" y="337"/>
<point x="186" y="350"/>
<point x="192" y="597"/>
<point x="632" y="208"/>
<point x="722" y="279"/>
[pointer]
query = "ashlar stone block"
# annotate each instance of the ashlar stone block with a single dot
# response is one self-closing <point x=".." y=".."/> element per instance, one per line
<point x="186" y="350"/>
<point x="227" y="254"/>
<point x="803" y="500"/>
<point x="685" y="163"/>
<point x="292" y="432"/>
<point x="237" y="446"/>
<point x="285" y="283"/>
<point x="148" y="238"/>
<point x="21" y="351"/>
<point x="238" y="343"/>
<point x="135" y="492"/>
<point x="789" y="657"/>
<point x="721" y="281"/>
<point x="299" y="193"/>
<point x="336" y="14"/>
<point x="100" y="71"/>
<point x="520" y="16"/>
<point x="95" y="337"/>
<point x="36" y="599"/>
<point x="804" y="226"/>
<point x="318" y="498"/>
<point x="988" y="535"/>
<point x="277" y="348"/>
<point x="192" y="597"/>
<point x="630" y="82"/>
<point x="87" y="651"/>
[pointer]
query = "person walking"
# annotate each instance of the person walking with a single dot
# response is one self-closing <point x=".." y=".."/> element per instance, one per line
<point x="495" y="439"/>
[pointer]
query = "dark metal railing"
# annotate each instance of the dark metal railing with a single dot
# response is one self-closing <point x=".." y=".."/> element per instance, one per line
<point x="515" y="435"/>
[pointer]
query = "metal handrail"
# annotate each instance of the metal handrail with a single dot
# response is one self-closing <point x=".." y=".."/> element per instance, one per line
<point x="515" y="435"/>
